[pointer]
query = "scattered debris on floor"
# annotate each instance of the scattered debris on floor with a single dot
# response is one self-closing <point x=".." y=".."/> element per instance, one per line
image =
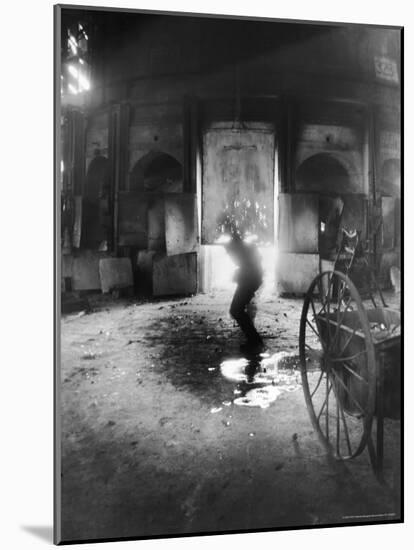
<point x="89" y="355"/>
<point x="168" y="408"/>
<point x="382" y="330"/>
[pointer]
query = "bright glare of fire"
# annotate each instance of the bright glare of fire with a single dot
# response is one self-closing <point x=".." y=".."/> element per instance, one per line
<point x="249" y="238"/>
<point x="223" y="239"/>
<point x="223" y="268"/>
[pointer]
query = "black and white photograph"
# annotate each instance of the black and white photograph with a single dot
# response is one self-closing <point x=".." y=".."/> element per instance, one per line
<point x="228" y="274"/>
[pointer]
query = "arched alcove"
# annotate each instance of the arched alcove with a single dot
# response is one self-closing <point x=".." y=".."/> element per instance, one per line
<point x="97" y="177"/>
<point x="157" y="171"/>
<point x="95" y="211"/>
<point x="323" y="173"/>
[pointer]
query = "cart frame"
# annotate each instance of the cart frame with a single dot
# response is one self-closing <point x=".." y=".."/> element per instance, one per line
<point x="352" y="361"/>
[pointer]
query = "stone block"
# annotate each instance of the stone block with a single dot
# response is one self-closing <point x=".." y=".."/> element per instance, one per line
<point x="295" y="272"/>
<point x="181" y="223"/>
<point x="298" y="226"/>
<point x="85" y="271"/>
<point x="115" y="273"/>
<point x="174" y="274"/>
<point x="133" y="219"/>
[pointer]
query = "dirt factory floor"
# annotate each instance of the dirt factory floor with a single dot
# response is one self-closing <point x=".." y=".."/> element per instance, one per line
<point x="156" y="440"/>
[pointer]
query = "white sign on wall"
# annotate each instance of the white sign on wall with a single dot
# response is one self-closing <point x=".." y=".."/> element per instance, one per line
<point x="386" y="69"/>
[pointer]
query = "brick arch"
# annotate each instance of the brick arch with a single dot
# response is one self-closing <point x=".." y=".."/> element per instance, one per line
<point x="325" y="173"/>
<point x="157" y="171"/>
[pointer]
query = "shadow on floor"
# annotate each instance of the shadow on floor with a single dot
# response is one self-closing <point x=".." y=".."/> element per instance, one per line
<point x="44" y="532"/>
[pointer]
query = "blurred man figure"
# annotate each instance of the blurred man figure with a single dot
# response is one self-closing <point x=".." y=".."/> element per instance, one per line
<point x="249" y="277"/>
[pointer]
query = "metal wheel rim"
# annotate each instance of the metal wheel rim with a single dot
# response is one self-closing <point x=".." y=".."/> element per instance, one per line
<point x="370" y="362"/>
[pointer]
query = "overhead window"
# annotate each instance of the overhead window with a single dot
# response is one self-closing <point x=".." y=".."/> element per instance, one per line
<point x="75" y="77"/>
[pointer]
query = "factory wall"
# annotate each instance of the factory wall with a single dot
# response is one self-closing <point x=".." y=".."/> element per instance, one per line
<point x="331" y="96"/>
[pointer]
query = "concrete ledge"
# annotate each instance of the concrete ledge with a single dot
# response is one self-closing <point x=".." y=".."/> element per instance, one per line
<point x="115" y="273"/>
<point x="174" y="274"/>
<point x="295" y="272"/>
<point x="85" y="271"/>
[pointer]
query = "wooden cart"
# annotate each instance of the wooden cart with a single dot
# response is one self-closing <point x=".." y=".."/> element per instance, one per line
<point x="350" y="365"/>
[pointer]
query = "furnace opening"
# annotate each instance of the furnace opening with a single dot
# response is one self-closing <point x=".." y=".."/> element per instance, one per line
<point x="239" y="189"/>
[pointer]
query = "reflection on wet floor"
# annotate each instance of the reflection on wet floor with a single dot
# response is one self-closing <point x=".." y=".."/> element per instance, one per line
<point x="260" y="379"/>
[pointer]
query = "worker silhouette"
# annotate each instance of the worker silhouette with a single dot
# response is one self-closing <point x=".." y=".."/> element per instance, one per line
<point x="249" y="277"/>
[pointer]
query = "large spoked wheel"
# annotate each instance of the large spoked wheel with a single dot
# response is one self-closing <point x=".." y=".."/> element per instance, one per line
<point x="337" y="359"/>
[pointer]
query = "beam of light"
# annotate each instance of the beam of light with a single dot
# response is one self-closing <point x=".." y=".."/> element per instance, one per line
<point x="73" y="48"/>
<point x="73" y="71"/>
<point x="84" y="82"/>
<point x="73" y="45"/>
<point x="62" y="166"/>
<point x="72" y="89"/>
<point x="81" y="61"/>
